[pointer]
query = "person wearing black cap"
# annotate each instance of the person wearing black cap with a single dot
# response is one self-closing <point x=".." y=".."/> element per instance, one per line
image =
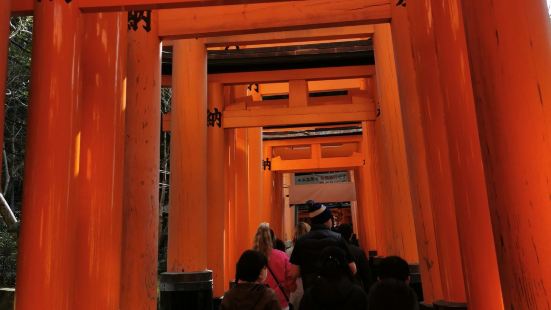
<point x="306" y="257"/>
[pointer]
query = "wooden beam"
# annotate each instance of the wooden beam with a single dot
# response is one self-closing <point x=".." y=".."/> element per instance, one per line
<point x="327" y="151"/>
<point x="333" y="33"/>
<point x="166" y="81"/>
<point x="292" y="152"/>
<point x="342" y="110"/>
<point x="313" y="86"/>
<point x="270" y="17"/>
<point x="25" y="7"/>
<point x="306" y="141"/>
<point x="339" y="149"/>
<point x="356" y="160"/>
<point x="296" y="74"/>
<point x="283" y="76"/>
<point x="22" y="7"/>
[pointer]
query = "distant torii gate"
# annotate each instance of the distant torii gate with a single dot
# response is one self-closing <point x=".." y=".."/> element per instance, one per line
<point x="472" y="128"/>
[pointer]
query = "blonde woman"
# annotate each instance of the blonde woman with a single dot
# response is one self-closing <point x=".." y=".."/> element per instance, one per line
<point x="278" y="265"/>
<point x="301" y="229"/>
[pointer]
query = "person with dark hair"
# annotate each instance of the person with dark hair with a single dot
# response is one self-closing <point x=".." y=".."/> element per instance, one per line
<point x="250" y="293"/>
<point x="394" y="267"/>
<point x="334" y="288"/>
<point x="364" y="275"/>
<point x="278" y="243"/>
<point x="306" y="257"/>
<point x="392" y="294"/>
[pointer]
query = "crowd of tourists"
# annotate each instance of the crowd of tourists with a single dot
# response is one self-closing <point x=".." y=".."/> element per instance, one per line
<point x="323" y="269"/>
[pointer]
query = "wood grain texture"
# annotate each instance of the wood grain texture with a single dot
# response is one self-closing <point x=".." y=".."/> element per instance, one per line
<point x="25" y="7"/>
<point x="270" y="17"/>
<point x="398" y="234"/>
<point x="187" y="224"/>
<point x="470" y="193"/>
<point x="417" y="158"/>
<point x="431" y="108"/>
<point x="511" y="78"/>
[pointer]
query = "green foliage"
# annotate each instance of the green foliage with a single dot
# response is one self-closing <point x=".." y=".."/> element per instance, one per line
<point x="17" y="96"/>
<point x="164" y="180"/>
<point x="8" y="258"/>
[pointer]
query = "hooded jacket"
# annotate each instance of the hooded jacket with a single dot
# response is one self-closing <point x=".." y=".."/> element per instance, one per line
<point x="250" y="296"/>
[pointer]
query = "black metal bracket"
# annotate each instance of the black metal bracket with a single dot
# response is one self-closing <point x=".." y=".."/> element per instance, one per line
<point x="214" y="118"/>
<point x="378" y="110"/>
<point x="401" y="3"/>
<point x="267" y="164"/>
<point x="135" y="17"/>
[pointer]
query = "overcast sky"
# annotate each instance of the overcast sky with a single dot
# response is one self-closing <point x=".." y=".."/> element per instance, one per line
<point x="549" y="5"/>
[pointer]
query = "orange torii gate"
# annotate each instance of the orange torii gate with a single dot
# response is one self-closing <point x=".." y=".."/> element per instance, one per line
<point x="304" y="155"/>
<point x="490" y="158"/>
<point x="242" y="115"/>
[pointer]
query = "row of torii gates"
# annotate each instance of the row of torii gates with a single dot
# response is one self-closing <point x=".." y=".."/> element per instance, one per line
<point x="457" y="165"/>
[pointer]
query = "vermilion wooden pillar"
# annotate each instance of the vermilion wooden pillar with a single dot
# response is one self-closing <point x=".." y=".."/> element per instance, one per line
<point x="216" y="212"/>
<point x="288" y="217"/>
<point x="369" y="206"/>
<point x="417" y="157"/>
<point x="141" y="178"/>
<point x="396" y="204"/>
<point x="278" y="205"/>
<point x="4" y="39"/>
<point x="187" y="231"/>
<point x="46" y="241"/>
<point x="229" y="204"/>
<point x="473" y="217"/>
<point x="509" y="47"/>
<point x="255" y="176"/>
<point x="98" y="216"/>
<point x="244" y="231"/>
<point x="431" y="107"/>
<point x="267" y="188"/>
<point x="361" y="224"/>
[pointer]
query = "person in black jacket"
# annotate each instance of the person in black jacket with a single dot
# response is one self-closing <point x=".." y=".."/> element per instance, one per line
<point x="306" y="257"/>
<point x="334" y="288"/>
<point x="364" y="275"/>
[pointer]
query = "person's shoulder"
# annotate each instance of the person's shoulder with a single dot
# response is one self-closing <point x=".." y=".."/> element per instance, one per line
<point x="279" y="257"/>
<point x="318" y="233"/>
<point x="228" y="298"/>
<point x="270" y="299"/>
<point x="334" y="234"/>
<point x="279" y="254"/>
<point x="306" y="236"/>
<point x="229" y="293"/>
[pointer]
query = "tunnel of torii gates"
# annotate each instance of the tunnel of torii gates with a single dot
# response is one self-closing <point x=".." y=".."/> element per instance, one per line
<point x="452" y="169"/>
